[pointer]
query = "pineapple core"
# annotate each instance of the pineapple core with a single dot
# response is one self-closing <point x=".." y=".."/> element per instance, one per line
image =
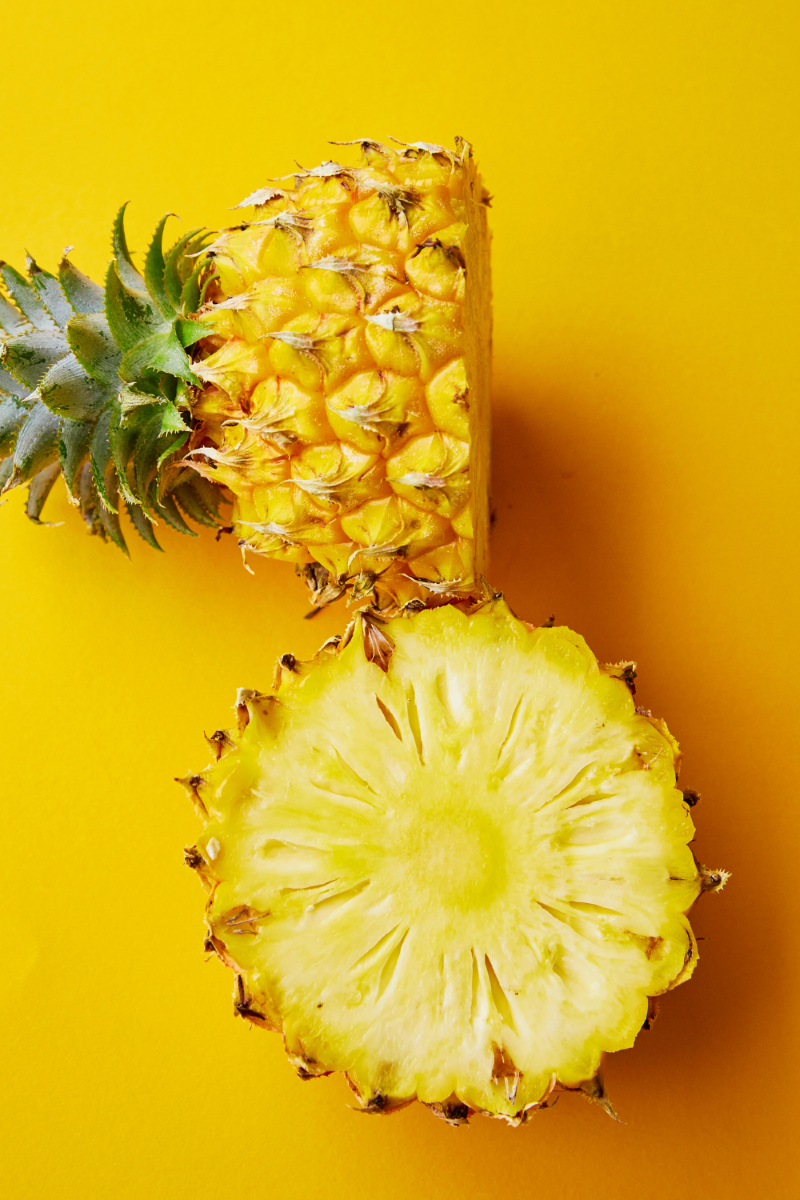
<point x="454" y="867"/>
<point x="346" y="378"/>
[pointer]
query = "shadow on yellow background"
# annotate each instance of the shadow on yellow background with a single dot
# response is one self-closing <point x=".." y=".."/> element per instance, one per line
<point x="644" y="163"/>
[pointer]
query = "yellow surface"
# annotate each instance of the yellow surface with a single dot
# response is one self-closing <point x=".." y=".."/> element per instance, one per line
<point x="644" y="159"/>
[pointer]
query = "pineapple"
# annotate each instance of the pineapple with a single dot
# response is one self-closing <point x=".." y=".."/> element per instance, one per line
<point x="448" y="857"/>
<point x="346" y="399"/>
<point x="325" y="365"/>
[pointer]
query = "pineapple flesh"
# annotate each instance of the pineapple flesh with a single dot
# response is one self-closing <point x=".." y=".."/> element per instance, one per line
<point x="448" y="857"/>
<point x="346" y="375"/>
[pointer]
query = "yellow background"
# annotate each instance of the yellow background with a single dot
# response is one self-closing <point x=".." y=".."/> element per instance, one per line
<point x="644" y="159"/>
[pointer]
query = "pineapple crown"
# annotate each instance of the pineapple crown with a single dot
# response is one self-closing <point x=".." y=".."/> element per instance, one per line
<point x="95" y="385"/>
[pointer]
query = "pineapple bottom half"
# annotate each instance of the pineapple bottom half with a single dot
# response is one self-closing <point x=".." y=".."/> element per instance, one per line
<point x="448" y="857"/>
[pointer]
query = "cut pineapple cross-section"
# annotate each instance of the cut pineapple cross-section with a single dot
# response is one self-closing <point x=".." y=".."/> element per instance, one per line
<point x="448" y="857"/>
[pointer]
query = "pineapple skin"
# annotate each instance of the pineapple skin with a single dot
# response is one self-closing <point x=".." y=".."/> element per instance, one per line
<point x="494" y="1007"/>
<point x="346" y="397"/>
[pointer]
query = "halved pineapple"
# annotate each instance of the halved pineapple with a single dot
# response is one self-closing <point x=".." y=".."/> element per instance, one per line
<point x="349" y="332"/>
<point x="448" y="857"/>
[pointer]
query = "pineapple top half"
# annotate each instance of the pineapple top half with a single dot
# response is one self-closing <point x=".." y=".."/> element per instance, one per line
<point x="324" y="365"/>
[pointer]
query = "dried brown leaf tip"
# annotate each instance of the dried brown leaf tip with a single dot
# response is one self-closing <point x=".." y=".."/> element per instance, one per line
<point x="214" y="945"/>
<point x="712" y="881"/>
<point x="244" y="698"/>
<point x="242" y="919"/>
<point x="653" y="1006"/>
<point x="378" y="646"/>
<point x="219" y="741"/>
<point x="594" y="1090"/>
<point x="193" y="783"/>
<point x="242" y="1004"/>
<point x="452" y="1110"/>
<point x="624" y="671"/>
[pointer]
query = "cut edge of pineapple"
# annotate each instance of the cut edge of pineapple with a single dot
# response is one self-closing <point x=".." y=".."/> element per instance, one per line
<point x="418" y="906"/>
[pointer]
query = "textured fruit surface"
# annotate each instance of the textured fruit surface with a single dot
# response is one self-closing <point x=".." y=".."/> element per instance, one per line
<point x="346" y="398"/>
<point x="449" y="858"/>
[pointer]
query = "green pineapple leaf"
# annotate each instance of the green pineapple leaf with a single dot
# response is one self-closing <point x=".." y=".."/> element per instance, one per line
<point x="30" y="355"/>
<point x="26" y="298"/>
<point x="131" y="315"/>
<point x="83" y="293"/>
<point x="124" y="263"/>
<point x="175" y="272"/>
<point x="67" y="390"/>
<point x="167" y="509"/>
<point x="12" y="417"/>
<point x="102" y="461"/>
<point x="154" y="266"/>
<point x="142" y="525"/>
<point x="96" y="384"/>
<point x="161" y="352"/>
<point x="74" y="443"/>
<point x="12" y="321"/>
<point x="36" y="446"/>
<point x="50" y="293"/>
<point x="40" y="487"/>
<point x="90" y="340"/>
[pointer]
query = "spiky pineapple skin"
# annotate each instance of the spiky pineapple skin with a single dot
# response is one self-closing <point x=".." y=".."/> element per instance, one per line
<point x="262" y="773"/>
<point x="346" y="398"/>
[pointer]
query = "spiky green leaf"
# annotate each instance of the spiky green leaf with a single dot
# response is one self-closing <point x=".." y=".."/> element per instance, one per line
<point x="50" y="293"/>
<point x="9" y="386"/>
<point x="30" y="356"/>
<point x="190" y="332"/>
<point x="26" y="297"/>
<point x="37" y="444"/>
<point x="159" y="352"/>
<point x="91" y="342"/>
<point x="142" y="525"/>
<point x="102" y="462"/>
<point x="123" y="434"/>
<point x="154" y="265"/>
<point x="109" y="514"/>
<point x="178" y="268"/>
<point x="167" y="509"/>
<point x="131" y="399"/>
<point x="171" y="420"/>
<point x="12" y="321"/>
<point x="131" y="315"/>
<point x="209" y="494"/>
<point x="119" y="244"/>
<point x="73" y="448"/>
<point x="12" y="417"/>
<point x="66" y="389"/>
<point x="192" y="291"/>
<point x="89" y="501"/>
<point x="83" y="293"/>
<point x="6" y="467"/>
<point x="39" y="490"/>
<point x="193" y="506"/>
<point x="147" y="451"/>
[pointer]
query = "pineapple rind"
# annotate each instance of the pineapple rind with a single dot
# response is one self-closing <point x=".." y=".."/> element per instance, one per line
<point x="362" y="291"/>
<point x="459" y="878"/>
